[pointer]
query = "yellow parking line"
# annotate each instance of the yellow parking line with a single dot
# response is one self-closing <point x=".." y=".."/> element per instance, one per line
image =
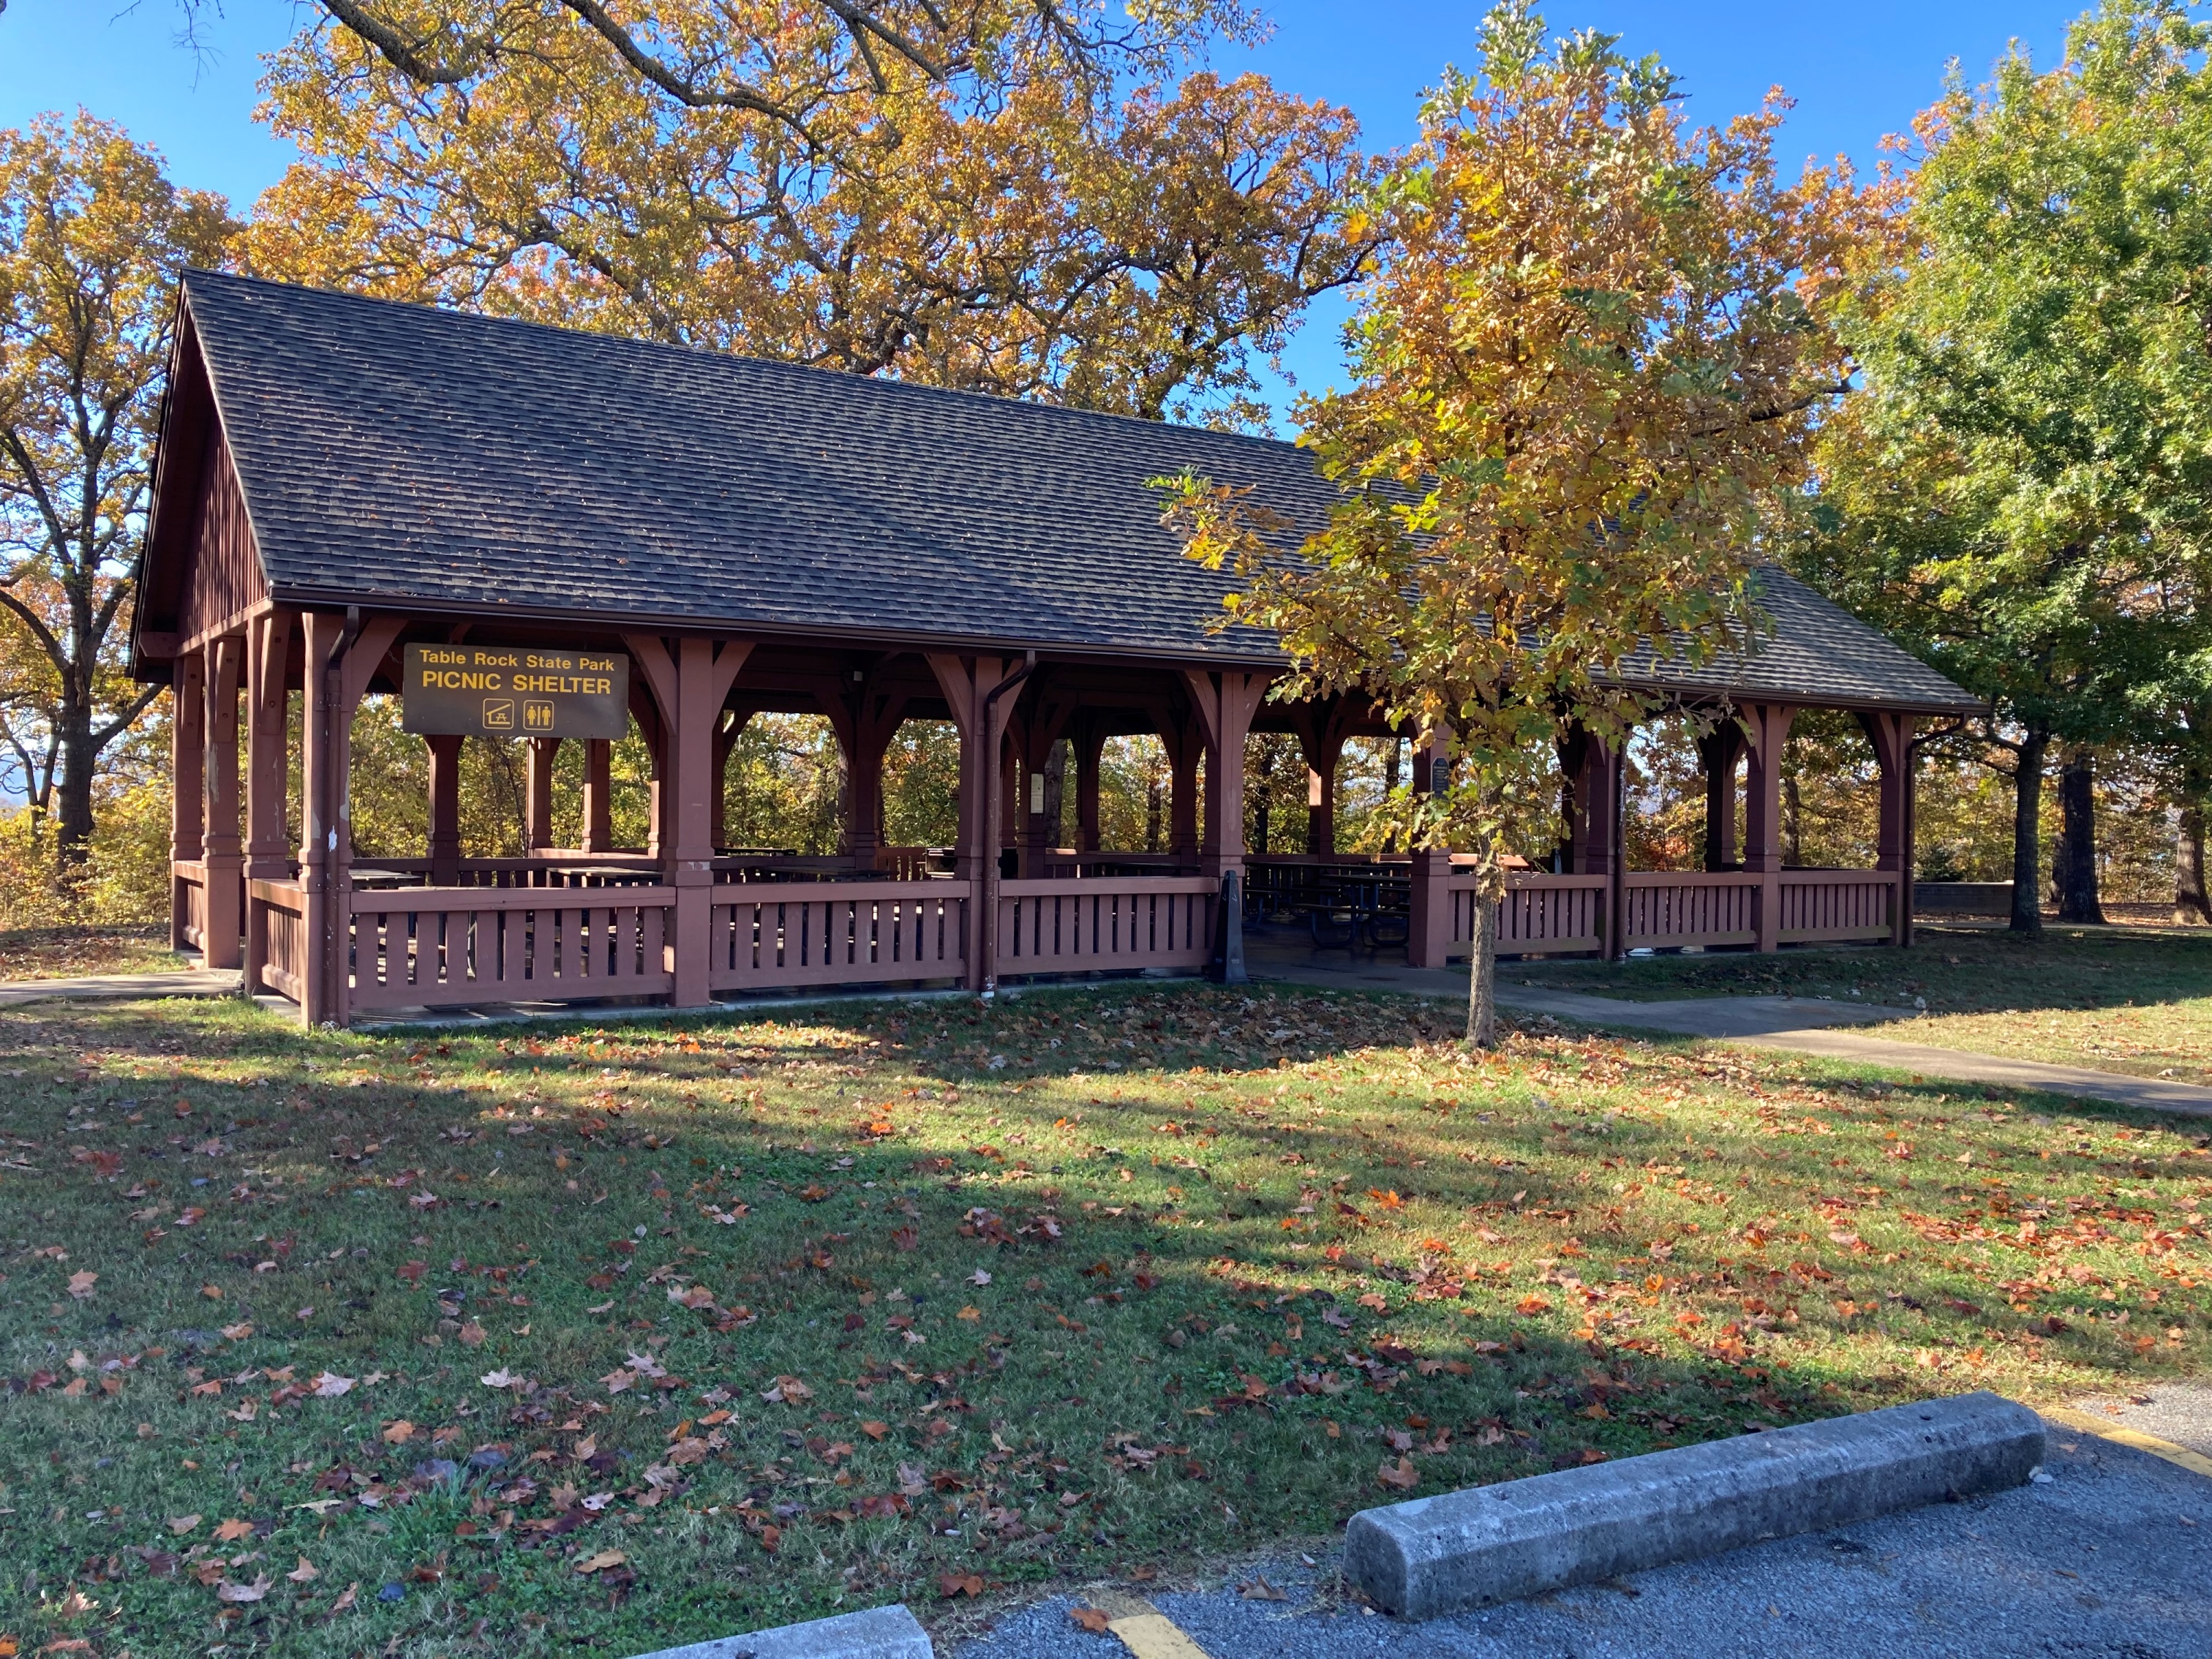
<point x="2119" y="1433"/>
<point x="1155" y="1636"/>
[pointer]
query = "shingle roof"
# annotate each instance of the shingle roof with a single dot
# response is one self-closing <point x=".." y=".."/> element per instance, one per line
<point x="401" y="455"/>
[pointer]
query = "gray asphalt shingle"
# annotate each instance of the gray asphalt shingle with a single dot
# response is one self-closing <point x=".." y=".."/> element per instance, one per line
<point x="402" y="454"/>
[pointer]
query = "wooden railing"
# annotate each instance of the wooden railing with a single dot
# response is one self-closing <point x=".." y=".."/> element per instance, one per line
<point x="188" y="903"/>
<point x="1683" y="907"/>
<point x="845" y="933"/>
<point x="554" y="869"/>
<point x="1540" y="916"/>
<point x="1106" y="922"/>
<point x="276" y="930"/>
<point x="1834" y="904"/>
<point x="443" y="947"/>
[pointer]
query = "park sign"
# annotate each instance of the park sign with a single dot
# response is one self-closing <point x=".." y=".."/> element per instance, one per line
<point x="515" y="691"/>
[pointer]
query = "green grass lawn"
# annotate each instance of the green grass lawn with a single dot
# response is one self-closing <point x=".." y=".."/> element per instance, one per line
<point x="67" y="952"/>
<point x="525" y="1339"/>
<point x="2134" y="1000"/>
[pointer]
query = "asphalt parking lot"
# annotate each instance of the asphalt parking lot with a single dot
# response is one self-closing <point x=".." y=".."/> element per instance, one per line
<point x="2108" y="1558"/>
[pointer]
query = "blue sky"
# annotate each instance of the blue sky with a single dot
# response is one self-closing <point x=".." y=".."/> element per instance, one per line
<point x="1857" y="71"/>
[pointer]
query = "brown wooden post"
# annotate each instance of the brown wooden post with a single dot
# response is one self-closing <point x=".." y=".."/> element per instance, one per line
<point x="968" y="684"/>
<point x="1768" y="730"/>
<point x="689" y="686"/>
<point x="1225" y="703"/>
<point x="346" y="669"/>
<point x="718" y="789"/>
<point x="653" y="724"/>
<point x="444" y="848"/>
<point x="598" y="835"/>
<point x="1182" y="736"/>
<point x="322" y="791"/>
<point x="1321" y="730"/>
<point x="1428" y="922"/>
<point x="537" y="794"/>
<point x="187" y="779"/>
<point x="1089" y="739"/>
<point x="1595" y="776"/>
<point x="268" y="855"/>
<point x="1719" y="750"/>
<point x="1895" y="751"/>
<point x="224" y="854"/>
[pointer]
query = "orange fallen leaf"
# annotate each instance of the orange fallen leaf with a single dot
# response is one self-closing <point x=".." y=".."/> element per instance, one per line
<point x="602" y="1561"/>
<point x="1089" y="1619"/>
<point x="954" y="1584"/>
<point x="875" y="1431"/>
<point x="231" y="1531"/>
<point x="80" y="1284"/>
<point x="398" y="1433"/>
<point x="1400" y="1476"/>
<point x="304" y="1572"/>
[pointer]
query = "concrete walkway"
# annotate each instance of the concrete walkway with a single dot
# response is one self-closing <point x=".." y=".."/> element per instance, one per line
<point x="109" y="987"/>
<point x="1794" y="1023"/>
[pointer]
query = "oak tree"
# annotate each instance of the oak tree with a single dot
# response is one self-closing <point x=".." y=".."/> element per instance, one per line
<point x="2023" y="490"/>
<point x="1588" y="371"/>
<point x="91" y="238"/>
<point x="1053" y="200"/>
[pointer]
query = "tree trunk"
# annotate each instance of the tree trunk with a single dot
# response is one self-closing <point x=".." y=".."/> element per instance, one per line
<point x="2075" y="865"/>
<point x="1793" y="837"/>
<point x="73" y="819"/>
<point x="1153" y="803"/>
<point x="2027" y="838"/>
<point x="2190" y="903"/>
<point x="1482" y="978"/>
<point x="1262" y="799"/>
<point x="1055" y="792"/>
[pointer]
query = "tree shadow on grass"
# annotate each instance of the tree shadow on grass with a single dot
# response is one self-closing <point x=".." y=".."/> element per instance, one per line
<point x="1044" y="1320"/>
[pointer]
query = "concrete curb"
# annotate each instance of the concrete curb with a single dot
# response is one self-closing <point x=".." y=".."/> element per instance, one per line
<point x="890" y="1632"/>
<point x="1438" y="1555"/>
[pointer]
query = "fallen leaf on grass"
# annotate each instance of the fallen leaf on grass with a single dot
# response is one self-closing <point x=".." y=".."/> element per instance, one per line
<point x="344" y="1603"/>
<point x="329" y="1385"/>
<point x="471" y="1335"/>
<point x="501" y="1378"/>
<point x="951" y="1585"/>
<point x="237" y="1333"/>
<point x="1089" y="1619"/>
<point x="1402" y="1476"/>
<point x="398" y="1433"/>
<point x="182" y="1524"/>
<point x="80" y="1285"/>
<point x="227" y="1591"/>
<point x="304" y="1572"/>
<point x="230" y="1531"/>
<point x="602" y="1561"/>
<point x="875" y="1431"/>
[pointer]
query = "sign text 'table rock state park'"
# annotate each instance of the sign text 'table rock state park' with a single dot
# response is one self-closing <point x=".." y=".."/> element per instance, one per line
<point x="515" y="691"/>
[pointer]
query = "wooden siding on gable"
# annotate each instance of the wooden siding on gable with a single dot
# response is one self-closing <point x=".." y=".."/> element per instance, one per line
<point x="222" y="571"/>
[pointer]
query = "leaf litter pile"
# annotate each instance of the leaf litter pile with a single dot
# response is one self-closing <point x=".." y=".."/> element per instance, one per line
<point x="331" y="1344"/>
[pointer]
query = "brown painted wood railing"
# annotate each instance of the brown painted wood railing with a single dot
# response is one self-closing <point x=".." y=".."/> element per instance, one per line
<point x="444" y="946"/>
<point x="1541" y="914"/>
<point x="549" y="869"/>
<point x="1835" y="904"/>
<point x="277" y="927"/>
<point x="188" y="903"/>
<point x="1685" y="907"/>
<point x="854" y="933"/>
<point x="1106" y="922"/>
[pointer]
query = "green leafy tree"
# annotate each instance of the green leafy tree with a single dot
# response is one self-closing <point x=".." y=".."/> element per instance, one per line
<point x="1587" y="372"/>
<point x="2023" y="491"/>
